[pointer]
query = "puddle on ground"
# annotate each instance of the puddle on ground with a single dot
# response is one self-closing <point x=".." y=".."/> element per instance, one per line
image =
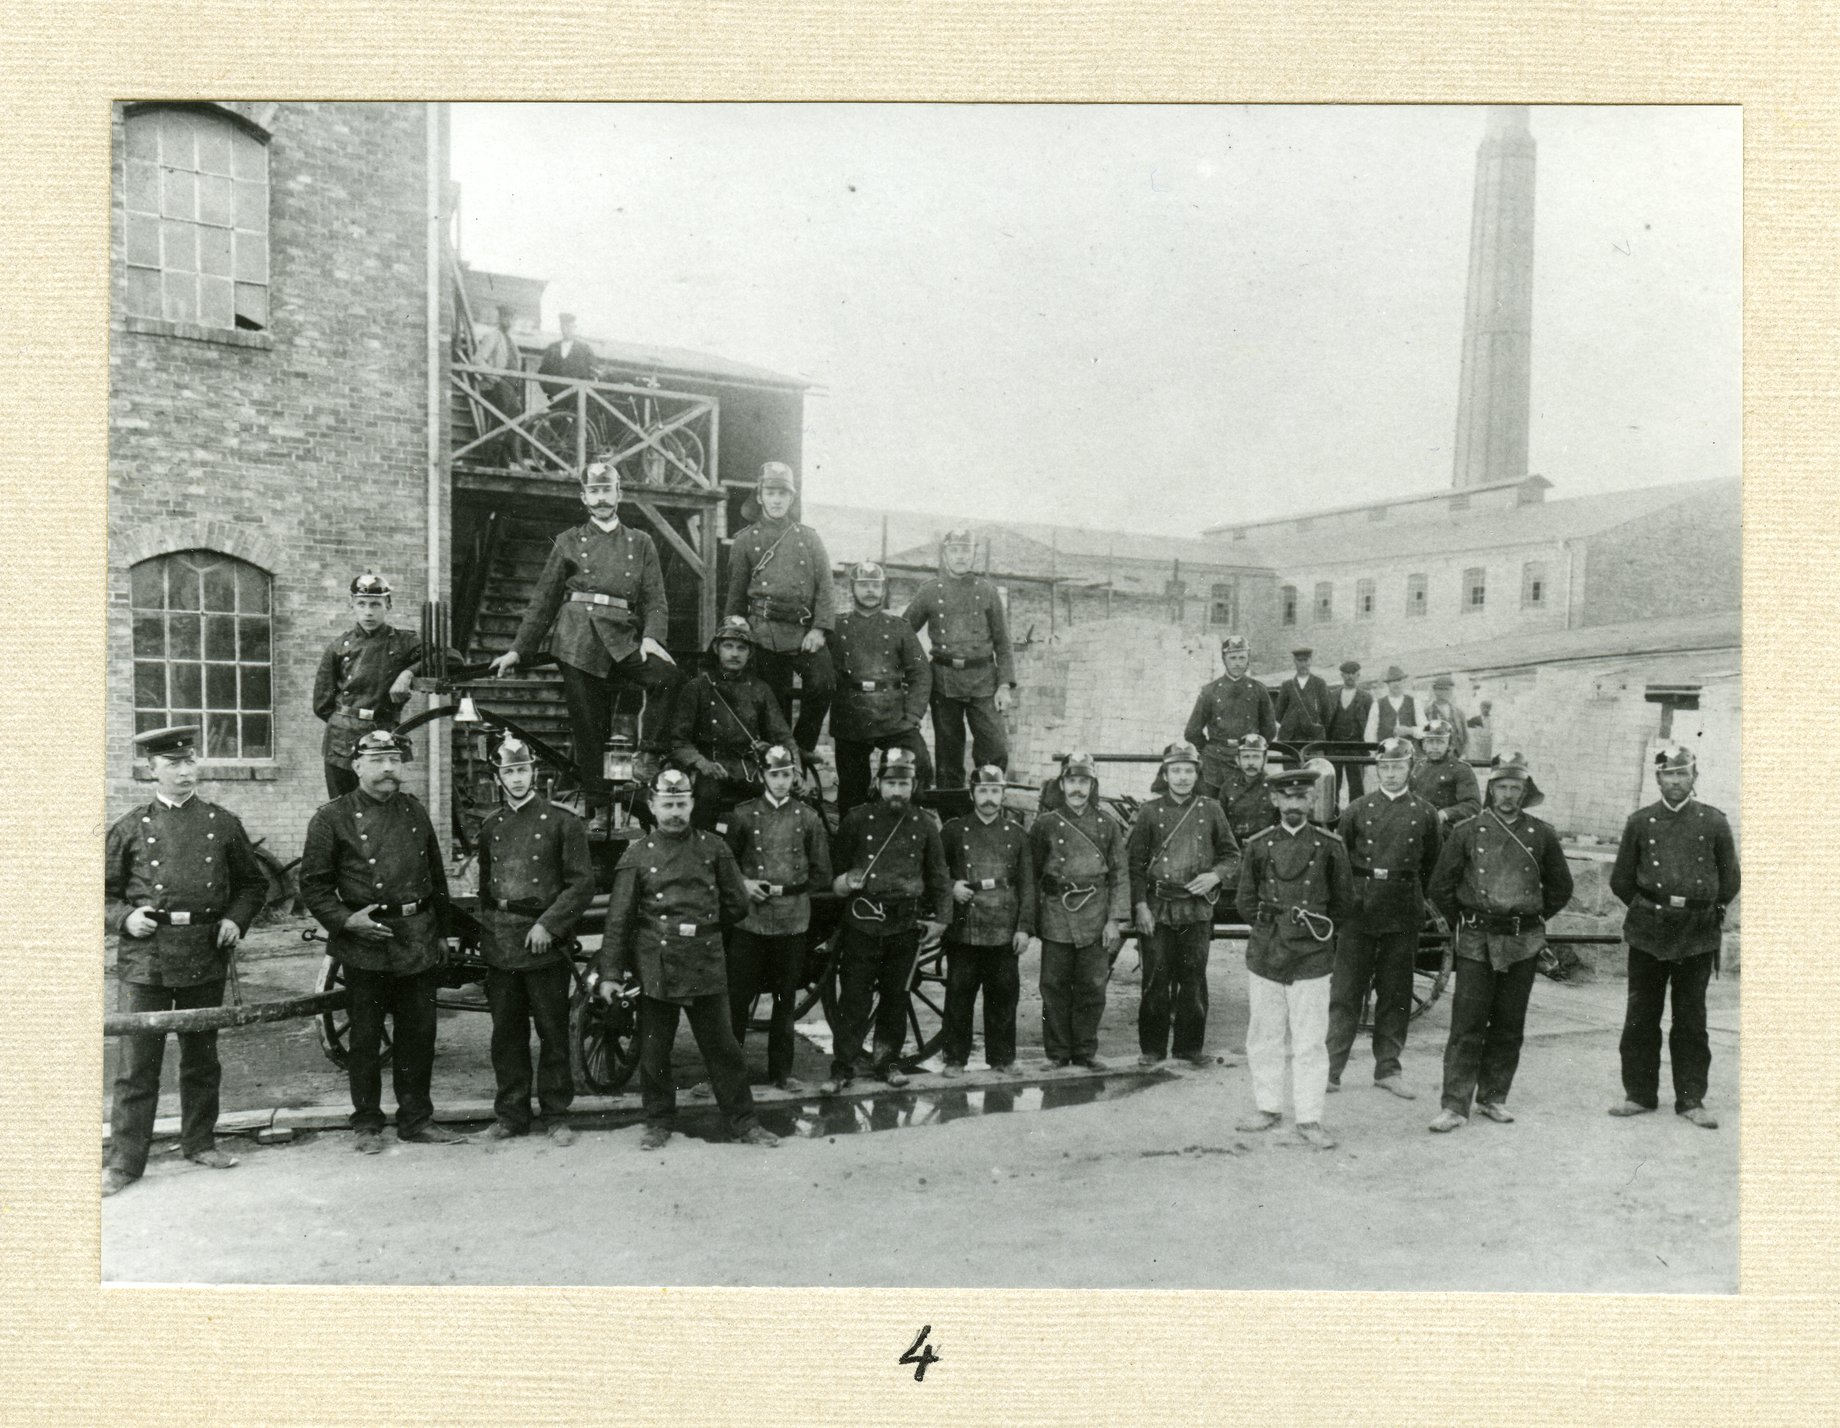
<point x="906" y="1110"/>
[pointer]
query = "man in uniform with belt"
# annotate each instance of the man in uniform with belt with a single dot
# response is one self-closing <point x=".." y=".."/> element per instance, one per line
<point x="1226" y="710"/>
<point x="779" y="578"/>
<point x="1393" y="713"/>
<point x="372" y="875"/>
<point x="783" y="852"/>
<point x="974" y="675"/>
<point x="180" y="887"/>
<point x="883" y="685"/>
<point x="1349" y="707"/>
<point x="1084" y="878"/>
<point x="1181" y="852"/>
<point x="363" y="679"/>
<point x="993" y="918"/>
<point x="1676" y="870"/>
<point x="1243" y="794"/>
<point x="672" y="892"/>
<point x="1294" y="890"/>
<point x="1302" y="704"/>
<point x="724" y="721"/>
<point x="603" y="588"/>
<point x="893" y="880"/>
<point x="1499" y="878"/>
<point x="535" y="882"/>
<point x="1392" y="837"/>
<point x="1443" y="780"/>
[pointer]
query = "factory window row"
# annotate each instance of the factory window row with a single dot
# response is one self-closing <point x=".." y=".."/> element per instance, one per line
<point x="1472" y="595"/>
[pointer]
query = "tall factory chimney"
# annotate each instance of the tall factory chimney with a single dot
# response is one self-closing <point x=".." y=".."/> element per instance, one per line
<point x="1495" y="386"/>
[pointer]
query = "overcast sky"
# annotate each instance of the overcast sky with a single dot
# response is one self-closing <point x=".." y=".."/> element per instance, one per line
<point x="1154" y="318"/>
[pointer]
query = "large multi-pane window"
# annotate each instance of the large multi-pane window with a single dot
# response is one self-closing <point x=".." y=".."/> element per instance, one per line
<point x="1533" y="585"/>
<point x="1325" y="601"/>
<point x="196" y="205"/>
<point x="1475" y="589"/>
<point x="1417" y="587"/>
<point x="202" y="639"/>
<point x="1364" y="599"/>
<point x="1223" y="606"/>
<point x="1287" y="602"/>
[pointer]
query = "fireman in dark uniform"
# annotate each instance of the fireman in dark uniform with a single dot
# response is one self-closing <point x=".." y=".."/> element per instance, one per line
<point x="1302" y="703"/>
<point x="1226" y="710"/>
<point x="180" y="887"/>
<point x="1243" y="793"/>
<point x="363" y="679"/>
<point x="891" y="873"/>
<point x="1294" y="891"/>
<point x="993" y="918"/>
<point x="974" y="674"/>
<point x="1392" y="838"/>
<point x="1499" y="878"/>
<point x="883" y="685"/>
<point x="1443" y="780"/>
<point x="1676" y="871"/>
<point x="372" y="875"/>
<point x="724" y="721"/>
<point x="603" y="588"/>
<point x="1181" y="852"/>
<point x="672" y="892"/>
<point x="779" y="578"/>
<point x="535" y="881"/>
<point x="779" y="842"/>
<point x="1084" y="878"/>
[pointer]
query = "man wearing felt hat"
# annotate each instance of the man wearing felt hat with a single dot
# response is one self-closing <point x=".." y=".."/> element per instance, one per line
<point x="180" y="887"/>
<point x="1442" y="779"/>
<point x="883" y="685"/>
<point x="1349" y="708"/>
<point x="1294" y="891"/>
<point x="673" y="891"/>
<point x="535" y="881"/>
<point x="1392" y="838"/>
<point x="779" y="578"/>
<point x="372" y="875"/>
<point x="779" y="841"/>
<point x="363" y="679"/>
<point x="1181" y="852"/>
<point x="1243" y="793"/>
<point x="1303" y="702"/>
<point x="1676" y="871"/>
<point x="993" y="918"/>
<point x="1393" y="713"/>
<point x="974" y="674"/>
<point x="1500" y="876"/>
<point x="1226" y="710"/>
<point x="1443" y="706"/>
<point x="602" y="588"/>
<point x="724" y="721"/>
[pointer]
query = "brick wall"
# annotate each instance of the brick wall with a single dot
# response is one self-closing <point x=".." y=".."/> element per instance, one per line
<point x="1682" y="560"/>
<point x="300" y="449"/>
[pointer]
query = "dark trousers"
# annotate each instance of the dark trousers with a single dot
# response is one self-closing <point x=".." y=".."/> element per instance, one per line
<point x="715" y="1043"/>
<point x="1488" y="1014"/>
<point x="1353" y="777"/>
<point x="817" y="683"/>
<point x="872" y="968"/>
<point x="507" y="400"/>
<point x="519" y="1000"/>
<point x="409" y="1004"/>
<point x="774" y="963"/>
<point x="137" y="1076"/>
<point x="715" y="796"/>
<point x="992" y="969"/>
<point x="1689" y="1051"/>
<point x="1072" y="998"/>
<point x="853" y="781"/>
<point x="1382" y="961"/>
<point x="1175" y="962"/>
<point x="989" y="739"/>
<point x="590" y="699"/>
<point x="339" y="782"/>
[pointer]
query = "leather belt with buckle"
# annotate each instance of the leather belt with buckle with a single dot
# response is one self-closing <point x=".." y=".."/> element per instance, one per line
<point x="871" y="686"/>
<point x="787" y="889"/>
<point x="182" y="919"/>
<point x="1379" y="875"/>
<point x="988" y="884"/>
<point x="524" y="907"/>
<point x="590" y="597"/>
<point x="671" y="926"/>
<point x="397" y="909"/>
<point x="976" y="662"/>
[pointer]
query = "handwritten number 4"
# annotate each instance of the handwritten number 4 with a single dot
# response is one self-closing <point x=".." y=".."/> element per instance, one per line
<point x="920" y="1354"/>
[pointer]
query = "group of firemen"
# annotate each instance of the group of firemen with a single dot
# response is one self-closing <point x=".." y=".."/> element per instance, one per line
<point x="712" y="906"/>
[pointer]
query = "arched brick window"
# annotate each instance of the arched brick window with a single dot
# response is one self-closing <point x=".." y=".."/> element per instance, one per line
<point x="203" y="634"/>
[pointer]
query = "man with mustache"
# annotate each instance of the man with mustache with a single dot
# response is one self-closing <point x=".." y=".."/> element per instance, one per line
<point x="974" y="674"/>
<point x="724" y="721"/>
<point x="363" y="679"/>
<point x="993" y="918"/>
<point x="180" y="887"/>
<point x="883" y="685"/>
<point x="372" y="875"/>
<point x="1243" y="793"/>
<point x="1225" y="712"/>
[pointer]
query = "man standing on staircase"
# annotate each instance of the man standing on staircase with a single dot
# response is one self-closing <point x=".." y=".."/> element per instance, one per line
<point x="974" y="674"/>
<point x="779" y="579"/>
<point x="603" y="588"/>
<point x="363" y="679"/>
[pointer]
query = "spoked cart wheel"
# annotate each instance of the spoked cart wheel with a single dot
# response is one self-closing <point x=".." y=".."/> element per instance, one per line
<point x="335" y="1026"/>
<point x="603" y="1042"/>
<point x="926" y="999"/>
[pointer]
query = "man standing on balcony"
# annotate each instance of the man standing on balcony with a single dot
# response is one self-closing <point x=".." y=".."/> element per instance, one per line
<point x="567" y="357"/>
<point x="779" y="578"/>
<point x="363" y="679"/>
<point x="603" y="588"/>
<point x="974" y="675"/>
<point x="497" y="348"/>
<point x="1227" y="710"/>
<point x="1303" y="703"/>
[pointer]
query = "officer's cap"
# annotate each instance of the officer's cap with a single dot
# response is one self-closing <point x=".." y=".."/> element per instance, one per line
<point x="177" y="741"/>
<point x="1351" y="666"/>
<point x="370" y="583"/>
<point x="1675" y="758"/>
<point x="1292" y="781"/>
<point x="733" y="627"/>
<point x="599" y="473"/>
<point x="670" y="781"/>
<point x="866" y="570"/>
<point x="381" y="741"/>
<point x="1302" y="652"/>
<point x="1253" y="743"/>
<point x="777" y="475"/>
<point x="898" y="763"/>
<point x="512" y="752"/>
<point x="1234" y="644"/>
<point x="1181" y="752"/>
<point x="778" y="757"/>
<point x="1394" y="673"/>
<point x="1394" y="748"/>
<point x="1436" y="728"/>
<point x="988" y="776"/>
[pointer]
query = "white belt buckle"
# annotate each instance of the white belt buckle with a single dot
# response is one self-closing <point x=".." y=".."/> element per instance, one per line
<point x="686" y="929"/>
<point x="1677" y="902"/>
<point x="367" y="713"/>
<point x="868" y="686"/>
<point x="409" y="908"/>
<point x="1380" y="874"/>
<point x="987" y="884"/>
<point x="181" y="919"/>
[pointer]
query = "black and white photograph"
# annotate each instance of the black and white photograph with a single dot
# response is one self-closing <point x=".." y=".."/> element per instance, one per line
<point x="1040" y="696"/>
